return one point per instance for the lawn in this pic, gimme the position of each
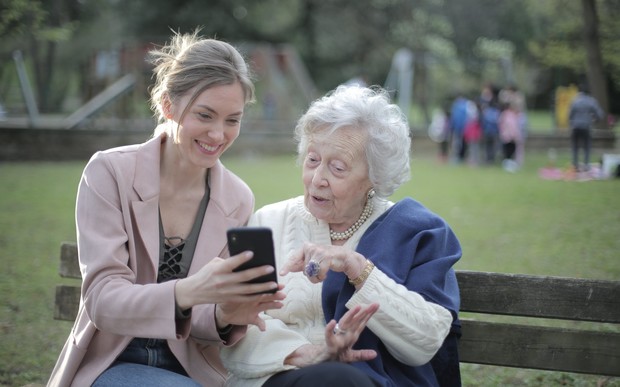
(506, 222)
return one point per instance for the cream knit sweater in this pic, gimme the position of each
(411, 328)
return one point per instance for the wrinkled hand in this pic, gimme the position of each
(217, 283)
(340, 342)
(338, 346)
(328, 257)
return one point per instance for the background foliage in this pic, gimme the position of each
(457, 45)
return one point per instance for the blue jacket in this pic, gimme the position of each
(584, 111)
(417, 249)
(458, 115)
(490, 121)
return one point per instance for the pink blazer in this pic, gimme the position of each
(117, 218)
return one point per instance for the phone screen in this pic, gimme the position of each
(258, 240)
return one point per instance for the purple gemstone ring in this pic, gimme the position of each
(312, 269)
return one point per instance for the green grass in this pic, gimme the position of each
(506, 223)
(36, 203)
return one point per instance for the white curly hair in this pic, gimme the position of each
(366, 109)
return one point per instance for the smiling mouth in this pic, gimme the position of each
(207, 147)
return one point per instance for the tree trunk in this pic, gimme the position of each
(307, 25)
(420, 85)
(594, 66)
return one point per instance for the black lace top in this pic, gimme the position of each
(176, 253)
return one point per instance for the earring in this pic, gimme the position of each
(371, 193)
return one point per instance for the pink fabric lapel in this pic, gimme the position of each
(146, 210)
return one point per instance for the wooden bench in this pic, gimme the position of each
(522, 343)
(67, 301)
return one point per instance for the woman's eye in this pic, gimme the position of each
(311, 160)
(339, 167)
(204, 115)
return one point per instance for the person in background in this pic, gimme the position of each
(583, 112)
(513, 97)
(510, 137)
(473, 134)
(488, 95)
(444, 144)
(372, 297)
(440, 132)
(459, 116)
(490, 130)
(158, 298)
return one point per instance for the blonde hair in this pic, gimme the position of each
(190, 63)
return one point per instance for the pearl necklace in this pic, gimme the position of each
(346, 234)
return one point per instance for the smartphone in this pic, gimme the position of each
(259, 240)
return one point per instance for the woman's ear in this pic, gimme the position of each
(166, 106)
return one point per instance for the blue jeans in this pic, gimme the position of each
(145, 362)
(581, 140)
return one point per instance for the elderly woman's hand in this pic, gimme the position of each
(339, 340)
(316, 260)
(340, 336)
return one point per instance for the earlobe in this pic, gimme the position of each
(166, 107)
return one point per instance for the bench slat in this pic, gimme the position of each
(69, 264)
(67, 302)
(540, 296)
(542, 348)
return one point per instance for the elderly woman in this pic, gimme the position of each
(371, 293)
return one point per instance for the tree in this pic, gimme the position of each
(454, 42)
(594, 69)
(38, 27)
(573, 41)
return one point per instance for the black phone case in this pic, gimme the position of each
(258, 240)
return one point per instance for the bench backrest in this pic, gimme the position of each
(67, 300)
(535, 341)
(528, 340)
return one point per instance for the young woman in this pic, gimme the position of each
(158, 299)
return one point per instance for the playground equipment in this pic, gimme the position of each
(90, 108)
(284, 90)
(400, 78)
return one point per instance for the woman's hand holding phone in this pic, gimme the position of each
(259, 241)
(240, 295)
